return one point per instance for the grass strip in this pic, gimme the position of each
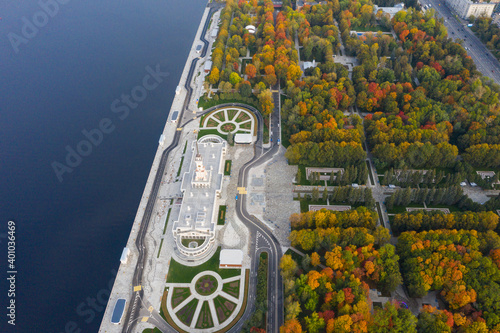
(227, 168)
(243, 306)
(166, 220)
(221, 218)
(159, 250)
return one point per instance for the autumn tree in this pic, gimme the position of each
(213, 78)
(266, 102)
(251, 71)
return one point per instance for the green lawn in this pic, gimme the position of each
(402, 209)
(186, 241)
(179, 295)
(151, 330)
(187, 312)
(221, 218)
(210, 102)
(219, 115)
(166, 220)
(206, 285)
(180, 166)
(232, 288)
(231, 113)
(182, 160)
(227, 168)
(266, 130)
(179, 273)
(242, 117)
(202, 118)
(205, 318)
(374, 29)
(304, 204)
(212, 131)
(223, 308)
(159, 250)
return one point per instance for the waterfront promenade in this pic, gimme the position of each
(152, 291)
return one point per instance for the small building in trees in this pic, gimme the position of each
(208, 66)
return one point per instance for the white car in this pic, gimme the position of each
(355, 185)
(473, 184)
(463, 184)
(392, 186)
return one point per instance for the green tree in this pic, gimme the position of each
(368, 197)
(315, 194)
(381, 235)
(314, 323)
(234, 78)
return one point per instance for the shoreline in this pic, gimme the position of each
(122, 287)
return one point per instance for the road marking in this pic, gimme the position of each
(179, 129)
(138, 288)
(144, 319)
(242, 190)
(150, 309)
(261, 237)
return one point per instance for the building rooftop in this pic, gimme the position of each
(230, 257)
(199, 186)
(389, 10)
(243, 138)
(208, 65)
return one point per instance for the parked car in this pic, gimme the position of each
(392, 186)
(463, 184)
(473, 184)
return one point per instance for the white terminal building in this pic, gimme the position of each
(201, 188)
(466, 8)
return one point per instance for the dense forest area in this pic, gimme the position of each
(428, 118)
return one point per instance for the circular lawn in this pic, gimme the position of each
(206, 285)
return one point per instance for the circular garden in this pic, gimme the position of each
(206, 285)
(228, 127)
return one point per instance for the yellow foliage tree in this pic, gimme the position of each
(315, 259)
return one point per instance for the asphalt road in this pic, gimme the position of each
(262, 239)
(485, 62)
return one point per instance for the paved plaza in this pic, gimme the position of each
(270, 195)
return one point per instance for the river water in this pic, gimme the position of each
(63, 74)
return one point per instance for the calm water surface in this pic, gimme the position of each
(62, 81)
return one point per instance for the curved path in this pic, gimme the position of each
(262, 240)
